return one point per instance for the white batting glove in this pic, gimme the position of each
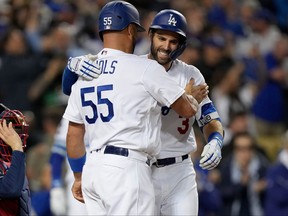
(85, 66)
(58, 201)
(211, 155)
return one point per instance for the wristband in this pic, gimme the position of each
(77, 164)
(217, 136)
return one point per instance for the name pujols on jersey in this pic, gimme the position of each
(107, 67)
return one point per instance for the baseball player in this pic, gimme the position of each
(173, 173)
(14, 189)
(62, 201)
(120, 112)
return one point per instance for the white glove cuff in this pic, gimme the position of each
(73, 64)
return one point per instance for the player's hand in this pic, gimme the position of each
(211, 155)
(77, 191)
(85, 66)
(10, 136)
(198, 92)
(58, 201)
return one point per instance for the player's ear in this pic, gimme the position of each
(132, 30)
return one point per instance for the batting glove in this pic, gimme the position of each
(211, 154)
(58, 201)
(85, 66)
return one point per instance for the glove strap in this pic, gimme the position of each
(77, 164)
(218, 137)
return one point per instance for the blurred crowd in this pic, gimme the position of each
(240, 47)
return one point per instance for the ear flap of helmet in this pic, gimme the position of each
(174, 54)
(19, 124)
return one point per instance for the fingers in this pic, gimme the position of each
(77, 191)
(211, 156)
(10, 136)
(4, 131)
(204, 88)
(192, 81)
(85, 66)
(189, 86)
(199, 92)
(79, 198)
(89, 65)
(92, 57)
(210, 163)
(91, 70)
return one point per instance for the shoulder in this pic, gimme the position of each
(183, 65)
(148, 64)
(190, 70)
(139, 61)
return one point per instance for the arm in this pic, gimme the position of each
(210, 124)
(83, 66)
(194, 96)
(68, 79)
(11, 184)
(186, 106)
(212, 127)
(76, 155)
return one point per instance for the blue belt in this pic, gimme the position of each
(168, 161)
(120, 151)
(116, 150)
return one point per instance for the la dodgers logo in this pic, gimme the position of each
(172, 20)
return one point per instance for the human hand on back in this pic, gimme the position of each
(85, 66)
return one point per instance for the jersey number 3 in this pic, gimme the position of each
(100, 100)
(184, 124)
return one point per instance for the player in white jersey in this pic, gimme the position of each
(62, 201)
(173, 173)
(120, 112)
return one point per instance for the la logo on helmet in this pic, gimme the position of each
(172, 20)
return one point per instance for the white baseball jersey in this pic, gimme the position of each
(175, 185)
(176, 135)
(121, 107)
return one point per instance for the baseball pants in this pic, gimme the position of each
(117, 185)
(175, 189)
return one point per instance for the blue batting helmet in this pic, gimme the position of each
(117, 15)
(170, 20)
(174, 21)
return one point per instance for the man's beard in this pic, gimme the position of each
(154, 53)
